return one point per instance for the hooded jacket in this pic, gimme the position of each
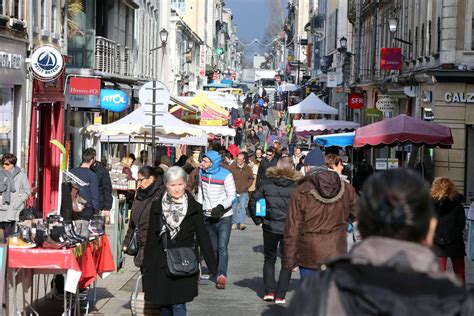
(318, 216)
(384, 276)
(276, 190)
(216, 186)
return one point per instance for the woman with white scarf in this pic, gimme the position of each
(175, 215)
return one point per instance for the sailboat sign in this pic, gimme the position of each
(47, 63)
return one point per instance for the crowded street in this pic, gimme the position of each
(237, 157)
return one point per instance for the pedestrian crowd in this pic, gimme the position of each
(378, 248)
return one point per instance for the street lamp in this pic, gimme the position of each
(163, 38)
(393, 25)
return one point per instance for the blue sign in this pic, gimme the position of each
(113, 100)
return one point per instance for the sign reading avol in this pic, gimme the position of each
(385, 103)
(46, 63)
(113, 100)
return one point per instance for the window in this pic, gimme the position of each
(423, 39)
(44, 14)
(54, 16)
(179, 6)
(2, 7)
(6, 108)
(15, 12)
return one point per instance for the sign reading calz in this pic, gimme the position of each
(459, 97)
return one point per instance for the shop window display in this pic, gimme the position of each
(6, 102)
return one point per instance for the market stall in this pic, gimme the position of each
(309, 126)
(400, 131)
(312, 105)
(81, 265)
(341, 140)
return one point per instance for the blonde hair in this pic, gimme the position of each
(127, 161)
(442, 188)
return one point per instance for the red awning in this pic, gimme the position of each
(403, 129)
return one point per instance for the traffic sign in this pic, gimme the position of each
(162, 96)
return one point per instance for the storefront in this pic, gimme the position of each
(452, 105)
(12, 85)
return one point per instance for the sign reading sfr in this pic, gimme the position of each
(113, 100)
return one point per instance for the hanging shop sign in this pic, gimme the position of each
(355, 101)
(459, 97)
(47, 63)
(332, 79)
(202, 60)
(373, 113)
(84, 86)
(386, 104)
(390, 58)
(113, 100)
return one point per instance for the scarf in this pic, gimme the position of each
(7, 184)
(174, 213)
(143, 194)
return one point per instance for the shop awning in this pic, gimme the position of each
(323, 125)
(341, 139)
(221, 101)
(209, 109)
(403, 129)
(312, 105)
(138, 123)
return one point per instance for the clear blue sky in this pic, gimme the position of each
(251, 18)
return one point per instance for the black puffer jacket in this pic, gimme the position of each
(276, 190)
(105, 186)
(448, 240)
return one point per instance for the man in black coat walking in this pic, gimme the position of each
(105, 185)
(269, 161)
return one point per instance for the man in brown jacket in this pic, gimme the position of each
(243, 178)
(318, 217)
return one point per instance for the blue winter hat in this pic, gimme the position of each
(315, 158)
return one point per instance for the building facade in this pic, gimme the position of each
(434, 75)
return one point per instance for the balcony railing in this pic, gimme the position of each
(111, 57)
(351, 10)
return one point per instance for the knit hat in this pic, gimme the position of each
(315, 158)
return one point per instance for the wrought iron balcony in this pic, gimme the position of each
(351, 11)
(111, 57)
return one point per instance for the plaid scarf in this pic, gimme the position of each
(174, 213)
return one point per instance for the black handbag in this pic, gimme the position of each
(132, 245)
(180, 261)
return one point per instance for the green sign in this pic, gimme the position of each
(219, 51)
(373, 113)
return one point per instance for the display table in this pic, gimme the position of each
(81, 264)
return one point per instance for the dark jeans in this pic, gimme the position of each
(271, 242)
(219, 233)
(173, 310)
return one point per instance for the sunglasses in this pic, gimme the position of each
(140, 180)
(6, 164)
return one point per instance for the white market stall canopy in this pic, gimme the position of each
(323, 125)
(160, 139)
(219, 130)
(137, 123)
(312, 105)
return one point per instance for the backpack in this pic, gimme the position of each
(78, 202)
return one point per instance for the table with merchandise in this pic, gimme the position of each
(80, 250)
